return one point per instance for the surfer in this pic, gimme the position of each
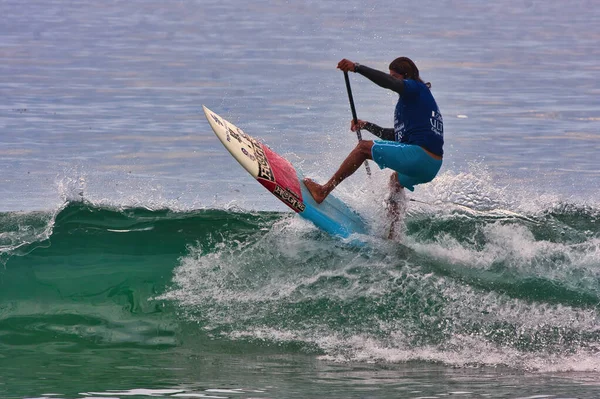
(413, 148)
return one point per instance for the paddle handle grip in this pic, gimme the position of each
(353, 109)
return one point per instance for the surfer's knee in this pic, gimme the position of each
(364, 147)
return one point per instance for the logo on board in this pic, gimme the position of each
(264, 169)
(289, 198)
(217, 120)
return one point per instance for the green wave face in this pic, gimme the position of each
(87, 276)
(462, 287)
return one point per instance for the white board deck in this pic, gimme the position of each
(281, 179)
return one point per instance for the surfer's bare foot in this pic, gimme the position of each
(317, 191)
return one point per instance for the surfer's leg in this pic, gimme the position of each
(395, 204)
(353, 161)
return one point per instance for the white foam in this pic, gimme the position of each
(248, 286)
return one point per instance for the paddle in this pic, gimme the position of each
(358, 134)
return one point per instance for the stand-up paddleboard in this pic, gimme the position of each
(278, 176)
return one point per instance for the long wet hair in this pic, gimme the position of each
(408, 68)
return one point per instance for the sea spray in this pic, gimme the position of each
(464, 287)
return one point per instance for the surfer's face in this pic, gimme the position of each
(396, 75)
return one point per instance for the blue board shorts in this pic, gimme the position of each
(413, 164)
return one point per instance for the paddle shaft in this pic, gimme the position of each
(353, 109)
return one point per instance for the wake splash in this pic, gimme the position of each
(479, 278)
(482, 282)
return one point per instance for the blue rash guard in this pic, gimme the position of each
(417, 117)
(418, 129)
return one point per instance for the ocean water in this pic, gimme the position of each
(138, 259)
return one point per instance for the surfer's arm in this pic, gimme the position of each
(380, 78)
(381, 132)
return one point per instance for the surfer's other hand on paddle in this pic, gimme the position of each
(357, 125)
(347, 65)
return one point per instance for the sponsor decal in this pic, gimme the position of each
(289, 198)
(437, 123)
(241, 133)
(399, 128)
(264, 169)
(234, 134)
(216, 119)
(246, 153)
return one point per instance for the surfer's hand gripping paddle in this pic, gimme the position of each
(353, 109)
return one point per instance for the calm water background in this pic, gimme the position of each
(113, 91)
(102, 100)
